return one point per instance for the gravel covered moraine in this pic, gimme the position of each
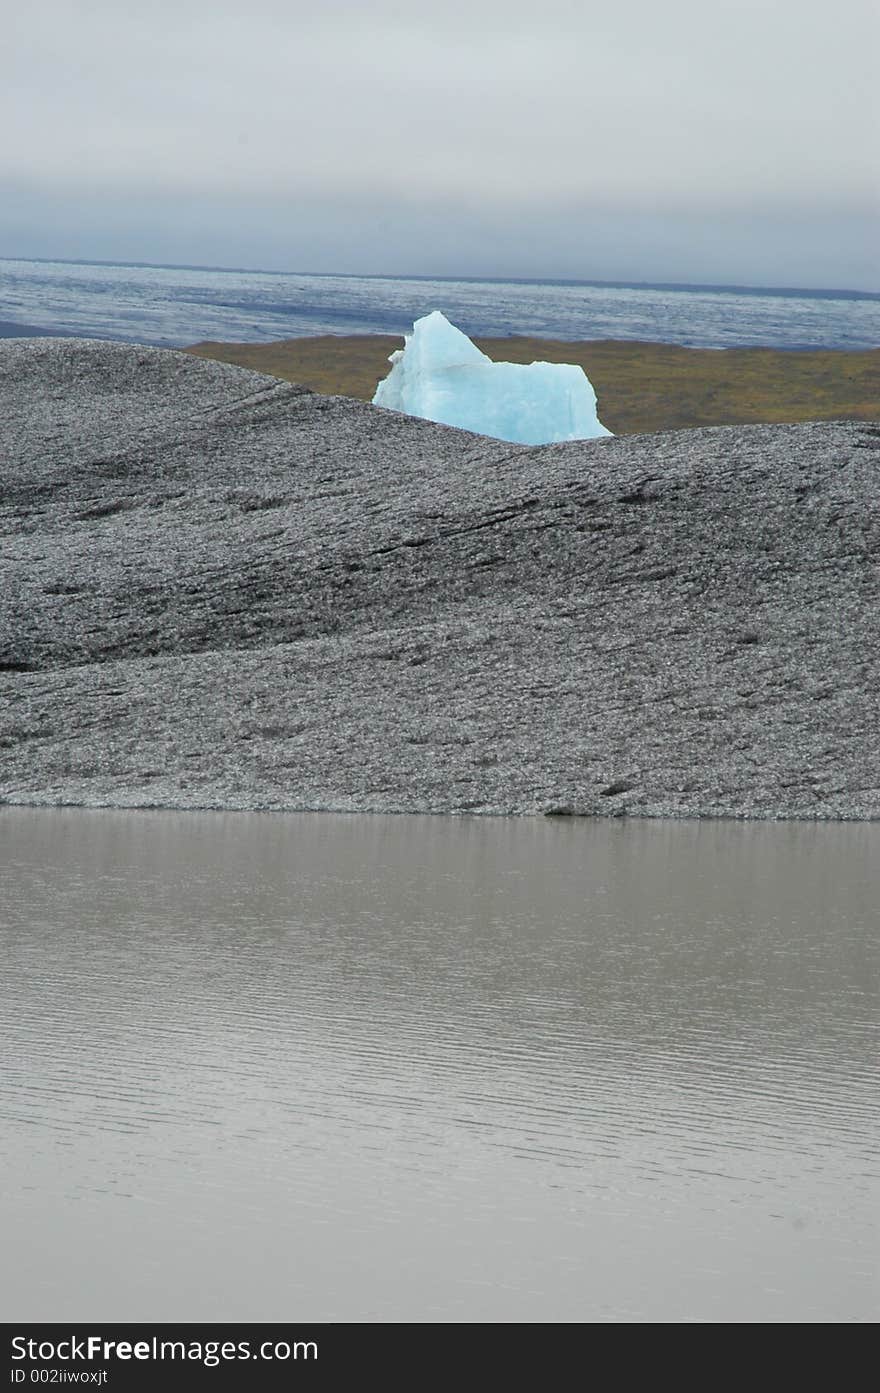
(219, 590)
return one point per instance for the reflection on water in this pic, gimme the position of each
(368, 1068)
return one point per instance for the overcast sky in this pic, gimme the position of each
(730, 141)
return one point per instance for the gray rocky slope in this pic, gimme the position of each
(221, 590)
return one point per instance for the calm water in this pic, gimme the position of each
(314, 1067)
(170, 305)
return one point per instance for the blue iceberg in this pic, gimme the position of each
(442, 376)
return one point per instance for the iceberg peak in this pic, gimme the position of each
(442, 376)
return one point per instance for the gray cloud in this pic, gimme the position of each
(638, 135)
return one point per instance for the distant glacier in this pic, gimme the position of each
(174, 306)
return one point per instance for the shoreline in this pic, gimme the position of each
(14, 805)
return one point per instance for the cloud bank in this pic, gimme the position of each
(725, 142)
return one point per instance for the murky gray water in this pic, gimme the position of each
(260, 1067)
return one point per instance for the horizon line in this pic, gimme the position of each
(714, 286)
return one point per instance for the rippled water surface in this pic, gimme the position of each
(283, 1067)
(177, 305)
